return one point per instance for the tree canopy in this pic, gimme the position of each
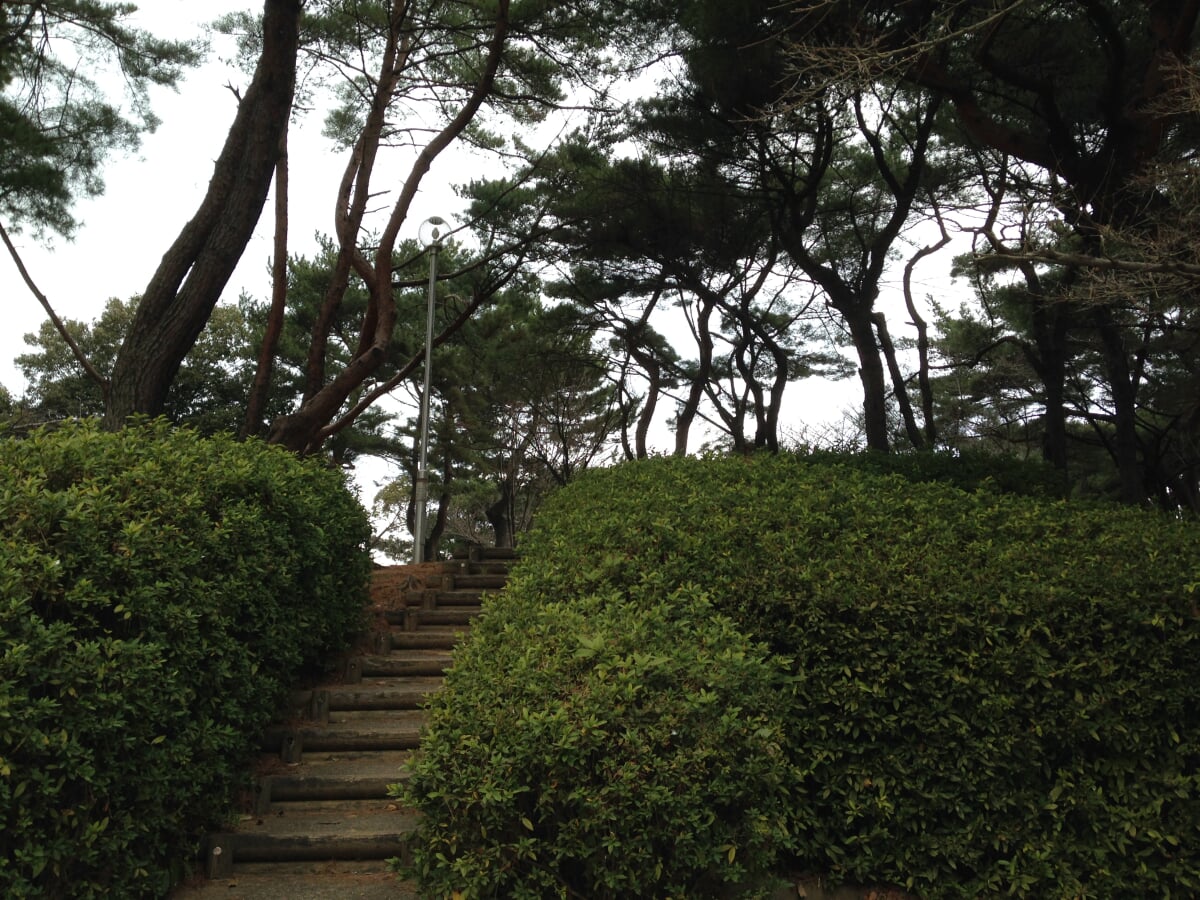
(58, 121)
(743, 199)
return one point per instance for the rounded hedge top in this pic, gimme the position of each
(160, 593)
(989, 693)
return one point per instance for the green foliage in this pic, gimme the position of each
(969, 470)
(619, 745)
(208, 393)
(520, 397)
(640, 230)
(530, 403)
(57, 124)
(161, 592)
(992, 694)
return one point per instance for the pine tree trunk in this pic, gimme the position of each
(1124, 396)
(870, 372)
(500, 516)
(180, 297)
(260, 390)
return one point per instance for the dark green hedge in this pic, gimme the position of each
(159, 593)
(969, 470)
(622, 745)
(992, 694)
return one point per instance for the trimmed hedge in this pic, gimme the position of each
(160, 594)
(970, 470)
(991, 694)
(622, 745)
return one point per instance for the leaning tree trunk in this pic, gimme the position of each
(899, 388)
(180, 297)
(654, 387)
(308, 427)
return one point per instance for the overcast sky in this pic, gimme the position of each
(150, 196)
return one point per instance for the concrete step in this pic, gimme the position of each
(351, 833)
(478, 582)
(391, 693)
(488, 567)
(429, 620)
(309, 880)
(379, 714)
(404, 664)
(455, 597)
(343, 795)
(397, 730)
(444, 616)
(356, 806)
(322, 777)
(325, 779)
(431, 638)
(432, 618)
(332, 867)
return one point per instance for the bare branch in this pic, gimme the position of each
(76, 350)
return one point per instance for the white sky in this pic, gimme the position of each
(149, 198)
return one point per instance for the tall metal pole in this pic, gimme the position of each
(421, 486)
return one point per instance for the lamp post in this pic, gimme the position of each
(430, 235)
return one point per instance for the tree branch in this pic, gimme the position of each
(61, 328)
(1185, 270)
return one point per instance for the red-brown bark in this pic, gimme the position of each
(185, 288)
(302, 430)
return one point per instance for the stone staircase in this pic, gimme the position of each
(323, 825)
